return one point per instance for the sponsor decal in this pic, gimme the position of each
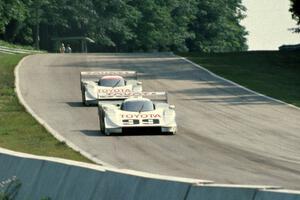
(126, 92)
(118, 93)
(114, 90)
(140, 116)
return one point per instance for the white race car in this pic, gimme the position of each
(105, 83)
(142, 112)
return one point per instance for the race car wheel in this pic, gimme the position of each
(107, 133)
(102, 126)
(83, 96)
(170, 133)
(102, 123)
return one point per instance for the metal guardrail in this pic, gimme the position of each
(9, 50)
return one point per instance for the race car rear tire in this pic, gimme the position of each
(107, 133)
(83, 96)
(102, 123)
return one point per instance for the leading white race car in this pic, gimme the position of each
(104, 83)
(142, 111)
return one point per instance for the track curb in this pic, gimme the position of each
(43, 123)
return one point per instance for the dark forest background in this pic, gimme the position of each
(129, 25)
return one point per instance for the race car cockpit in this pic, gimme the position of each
(111, 81)
(137, 105)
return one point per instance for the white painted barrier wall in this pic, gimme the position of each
(44, 177)
(278, 195)
(222, 192)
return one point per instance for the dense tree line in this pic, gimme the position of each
(295, 9)
(128, 25)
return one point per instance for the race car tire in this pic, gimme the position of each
(170, 133)
(106, 133)
(102, 123)
(83, 96)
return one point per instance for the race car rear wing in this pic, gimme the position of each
(153, 96)
(156, 96)
(96, 75)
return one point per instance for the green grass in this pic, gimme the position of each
(18, 130)
(273, 73)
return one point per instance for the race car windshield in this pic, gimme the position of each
(112, 82)
(137, 106)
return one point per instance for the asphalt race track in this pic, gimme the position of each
(226, 133)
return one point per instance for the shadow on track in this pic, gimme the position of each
(134, 132)
(76, 104)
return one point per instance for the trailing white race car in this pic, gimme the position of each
(142, 111)
(105, 84)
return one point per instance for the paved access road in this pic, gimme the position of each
(225, 133)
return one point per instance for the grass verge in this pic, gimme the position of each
(273, 73)
(19, 131)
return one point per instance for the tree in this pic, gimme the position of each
(13, 14)
(217, 26)
(163, 24)
(183, 13)
(128, 25)
(295, 9)
(116, 23)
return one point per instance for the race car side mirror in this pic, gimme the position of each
(139, 83)
(172, 107)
